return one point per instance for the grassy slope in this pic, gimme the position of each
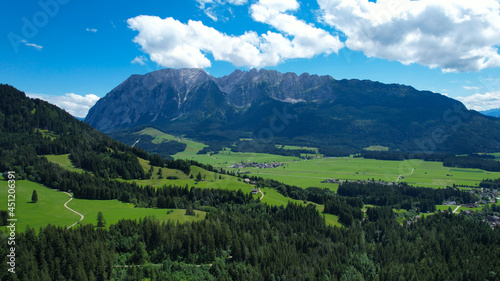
(228, 158)
(159, 135)
(50, 208)
(273, 198)
(64, 161)
(192, 146)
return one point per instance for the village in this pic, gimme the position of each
(243, 165)
(338, 181)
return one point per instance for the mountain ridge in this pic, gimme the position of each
(352, 113)
(492, 112)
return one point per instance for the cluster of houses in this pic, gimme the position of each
(256, 165)
(488, 195)
(338, 181)
(412, 220)
(493, 221)
(247, 180)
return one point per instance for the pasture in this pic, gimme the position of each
(307, 173)
(50, 209)
(64, 161)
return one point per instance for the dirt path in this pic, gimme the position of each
(399, 177)
(262, 194)
(456, 209)
(66, 206)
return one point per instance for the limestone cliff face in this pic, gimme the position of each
(357, 113)
(161, 96)
(169, 94)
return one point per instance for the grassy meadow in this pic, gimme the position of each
(50, 209)
(64, 161)
(307, 173)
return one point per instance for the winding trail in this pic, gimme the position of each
(399, 177)
(66, 206)
(262, 194)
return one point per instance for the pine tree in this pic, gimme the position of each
(190, 211)
(101, 222)
(34, 197)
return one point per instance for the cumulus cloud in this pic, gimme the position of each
(139, 60)
(171, 43)
(481, 102)
(307, 41)
(93, 30)
(74, 104)
(38, 47)
(456, 36)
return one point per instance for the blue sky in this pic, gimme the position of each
(72, 52)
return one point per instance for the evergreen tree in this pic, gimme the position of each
(101, 222)
(190, 211)
(34, 197)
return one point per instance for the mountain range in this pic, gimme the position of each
(492, 112)
(286, 108)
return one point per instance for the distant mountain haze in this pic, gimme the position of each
(290, 108)
(492, 112)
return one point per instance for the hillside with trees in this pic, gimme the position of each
(240, 238)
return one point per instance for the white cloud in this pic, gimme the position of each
(456, 36)
(214, 8)
(203, 3)
(308, 40)
(470, 88)
(74, 104)
(171, 43)
(139, 60)
(38, 47)
(481, 102)
(93, 30)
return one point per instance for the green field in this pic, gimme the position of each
(48, 134)
(210, 180)
(50, 208)
(114, 210)
(192, 147)
(376, 148)
(157, 134)
(274, 198)
(227, 158)
(64, 161)
(307, 173)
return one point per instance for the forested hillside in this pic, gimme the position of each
(241, 238)
(32, 127)
(257, 242)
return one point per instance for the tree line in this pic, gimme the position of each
(254, 241)
(404, 196)
(473, 161)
